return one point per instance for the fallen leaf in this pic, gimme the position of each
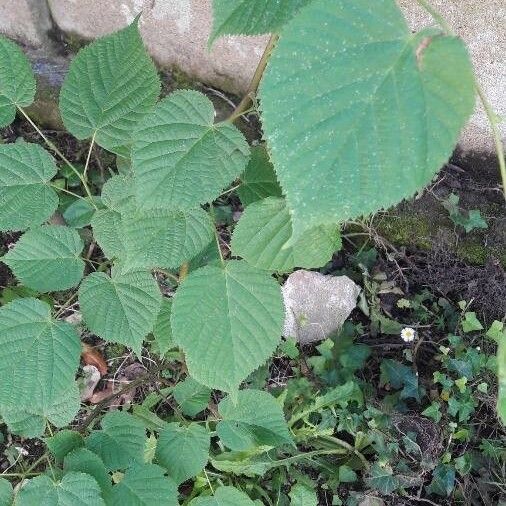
(91, 356)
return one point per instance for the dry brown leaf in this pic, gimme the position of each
(91, 356)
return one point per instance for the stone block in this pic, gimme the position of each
(175, 33)
(25, 21)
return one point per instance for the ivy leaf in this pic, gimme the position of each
(162, 330)
(471, 323)
(259, 179)
(85, 461)
(265, 228)
(64, 442)
(77, 489)
(183, 450)
(145, 484)
(501, 378)
(302, 495)
(39, 358)
(26, 197)
(224, 496)
(381, 478)
(164, 238)
(256, 419)
(243, 17)
(352, 98)
(17, 81)
(400, 376)
(120, 442)
(111, 85)
(181, 158)
(443, 480)
(191, 396)
(228, 320)
(47, 258)
(122, 308)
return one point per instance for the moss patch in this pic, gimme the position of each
(406, 230)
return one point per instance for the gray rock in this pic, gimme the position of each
(317, 305)
(25, 21)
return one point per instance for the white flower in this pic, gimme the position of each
(408, 334)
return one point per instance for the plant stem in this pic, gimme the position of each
(59, 153)
(492, 118)
(86, 165)
(436, 16)
(56, 187)
(216, 234)
(257, 77)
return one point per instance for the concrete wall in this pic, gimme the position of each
(176, 33)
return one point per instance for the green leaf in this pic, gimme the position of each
(47, 258)
(6, 493)
(191, 396)
(400, 376)
(352, 98)
(120, 442)
(80, 213)
(263, 238)
(224, 496)
(111, 85)
(118, 197)
(443, 480)
(302, 495)
(162, 331)
(259, 179)
(256, 419)
(471, 323)
(347, 474)
(243, 17)
(381, 478)
(183, 450)
(181, 158)
(253, 463)
(106, 226)
(433, 412)
(17, 81)
(64, 442)
(122, 308)
(164, 238)
(145, 485)
(39, 358)
(85, 461)
(26, 197)
(228, 320)
(76, 489)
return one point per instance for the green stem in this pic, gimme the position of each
(436, 16)
(86, 165)
(60, 154)
(56, 187)
(216, 235)
(257, 77)
(494, 123)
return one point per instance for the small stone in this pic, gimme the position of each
(317, 305)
